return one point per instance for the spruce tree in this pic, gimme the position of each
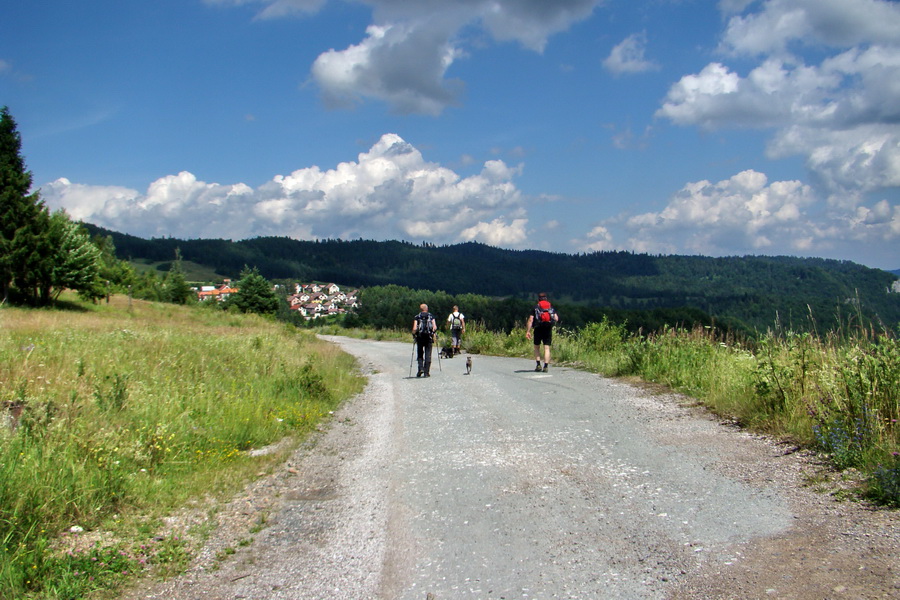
(76, 265)
(24, 220)
(254, 295)
(177, 290)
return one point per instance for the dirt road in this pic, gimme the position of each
(508, 483)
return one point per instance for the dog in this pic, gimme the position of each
(468, 365)
(446, 352)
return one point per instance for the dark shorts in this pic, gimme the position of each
(543, 335)
(455, 334)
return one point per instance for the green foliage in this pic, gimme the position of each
(743, 294)
(25, 247)
(40, 254)
(129, 411)
(175, 287)
(255, 294)
(76, 261)
(16, 206)
(884, 485)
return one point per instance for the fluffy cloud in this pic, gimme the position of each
(841, 114)
(598, 239)
(628, 56)
(835, 23)
(410, 46)
(747, 214)
(389, 192)
(401, 64)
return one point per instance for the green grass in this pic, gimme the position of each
(123, 413)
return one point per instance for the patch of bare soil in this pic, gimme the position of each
(839, 547)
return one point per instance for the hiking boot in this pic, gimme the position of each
(419, 374)
(545, 368)
(427, 374)
(537, 369)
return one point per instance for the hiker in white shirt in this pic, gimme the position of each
(457, 323)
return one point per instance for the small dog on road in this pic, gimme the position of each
(468, 365)
(446, 352)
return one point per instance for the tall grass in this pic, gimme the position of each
(114, 415)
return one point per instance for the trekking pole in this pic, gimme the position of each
(440, 369)
(411, 358)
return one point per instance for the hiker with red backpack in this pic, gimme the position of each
(541, 320)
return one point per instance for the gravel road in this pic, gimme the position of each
(508, 483)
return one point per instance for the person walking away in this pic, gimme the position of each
(423, 330)
(541, 321)
(457, 323)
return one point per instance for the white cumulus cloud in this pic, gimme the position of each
(628, 56)
(410, 46)
(388, 192)
(747, 214)
(826, 82)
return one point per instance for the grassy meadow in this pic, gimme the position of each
(116, 415)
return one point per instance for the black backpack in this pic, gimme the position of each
(424, 323)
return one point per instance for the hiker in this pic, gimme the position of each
(457, 323)
(542, 320)
(423, 329)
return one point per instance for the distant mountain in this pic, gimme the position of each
(754, 291)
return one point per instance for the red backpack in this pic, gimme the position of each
(543, 314)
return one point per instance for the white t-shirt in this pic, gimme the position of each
(458, 315)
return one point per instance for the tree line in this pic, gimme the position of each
(748, 292)
(394, 306)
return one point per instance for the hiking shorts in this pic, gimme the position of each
(455, 334)
(543, 335)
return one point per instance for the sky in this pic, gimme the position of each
(716, 128)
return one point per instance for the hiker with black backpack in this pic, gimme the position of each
(423, 329)
(541, 320)
(457, 323)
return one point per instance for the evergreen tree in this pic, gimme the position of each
(76, 264)
(254, 295)
(24, 220)
(118, 274)
(177, 290)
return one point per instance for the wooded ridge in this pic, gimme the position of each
(753, 292)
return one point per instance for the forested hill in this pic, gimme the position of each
(753, 290)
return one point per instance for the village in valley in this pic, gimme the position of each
(311, 300)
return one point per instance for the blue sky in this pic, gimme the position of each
(663, 126)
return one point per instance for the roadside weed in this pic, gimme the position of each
(113, 415)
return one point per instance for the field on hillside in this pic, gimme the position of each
(115, 415)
